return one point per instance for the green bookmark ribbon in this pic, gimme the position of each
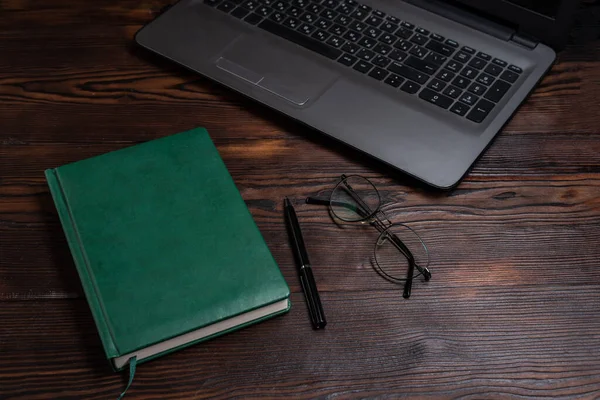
(132, 364)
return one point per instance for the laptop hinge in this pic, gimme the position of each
(524, 40)
(463, 17)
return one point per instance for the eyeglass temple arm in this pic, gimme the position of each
(325, 202)
(408, 254)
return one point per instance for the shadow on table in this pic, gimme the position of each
(89, 340)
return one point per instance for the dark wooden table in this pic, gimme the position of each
(512, 311)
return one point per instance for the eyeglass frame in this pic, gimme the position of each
(378, 219)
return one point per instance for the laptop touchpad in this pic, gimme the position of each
(266, 64)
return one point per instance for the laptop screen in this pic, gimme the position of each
(544, 7)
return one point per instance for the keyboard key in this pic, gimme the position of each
(300, 3)
(454, 66)
(264, 11)
(468, 50)
(227, 6)
(484, 56)
(408, 73)
(389, 27)
(280, 5)
(344, 9)
(440, 48)
(422, 65)
(404, 33)
(382, 49)
(335, 41)
(321, 35)
(357, 26)
(365, 54)
(410, 87)
(387, 38)
(379, 13)
(477, 63)
(372, 32)
(292, 23)
(436, 85)
(419, 39)
(337, 30)
(307, 29)
(365, 8)
(359, 14)
(352, 36)
(499, 62)
(445, 75)
(240, 12)
(498, 89)
(493, 70)
(403, 45)
(407, 25)
(253, 19)
(509, 76)
(394, 80)
(330, 3)
(435, 58)
(324, 23)
(477, 89)
(314, 8)
(480, 111)
(374, 21)
(437, 37)
(211, 3)
(462, 57)
(378, 73)
(398, 55)
(347, 60)
(435, 98)
(451, 43)
(250, 5)
(381, 61)
(393, 20)
(469, 72)
(294, 12)
(461, 82)
(328, 14)
(452, 91)
(514, 68)
(422, 31)
(343, 20)
(469, 99)
(459, 108)
(418, 51)
(300, 39)
(485, 79)
(363, 66)
(309, 18)
(367, 42)
(278, 16)
(350, 48)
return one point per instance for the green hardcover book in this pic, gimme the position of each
(166, 249)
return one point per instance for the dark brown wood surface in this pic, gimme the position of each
(512, 311)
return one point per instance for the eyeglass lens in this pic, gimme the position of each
(396, 247)
(354, 199)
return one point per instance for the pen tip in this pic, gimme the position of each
(286, 202)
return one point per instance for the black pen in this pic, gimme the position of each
(313, 301)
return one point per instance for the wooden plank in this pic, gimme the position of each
(376, 343)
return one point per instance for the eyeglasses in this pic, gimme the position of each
(355, 199)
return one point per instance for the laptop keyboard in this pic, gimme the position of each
(460, 79)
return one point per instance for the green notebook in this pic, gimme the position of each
(166, 249)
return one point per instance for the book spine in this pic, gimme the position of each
(81, 263)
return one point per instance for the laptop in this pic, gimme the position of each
(423, 86)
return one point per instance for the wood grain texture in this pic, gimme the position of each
(513, 308)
